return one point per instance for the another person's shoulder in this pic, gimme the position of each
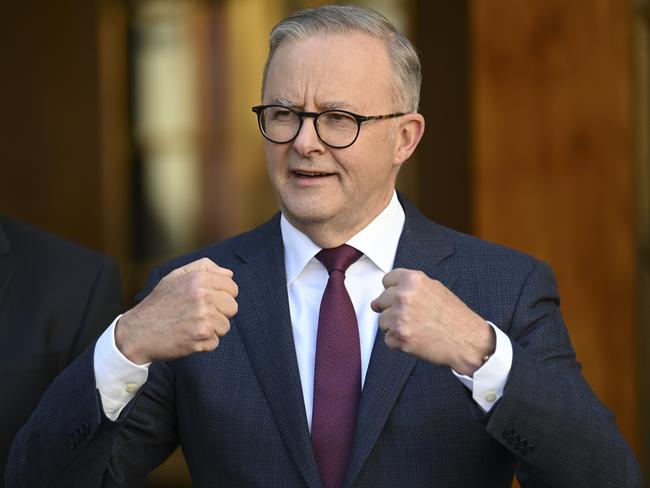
(33, 247)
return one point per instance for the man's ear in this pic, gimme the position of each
(409, 133)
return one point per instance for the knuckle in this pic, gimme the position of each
(172, 274)
(211, 345)
(194, 285)
(203, 331)
(415, 278)
(390, 341)
(202, 264)
(206, 345)
(225, 328)
(403, 334)
(222, 326)
(396, 331)
(202, 313)
(436, 285)
(384, 280)
(226, 305)
(403, 298)
(231, 307)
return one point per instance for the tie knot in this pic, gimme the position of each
(338, 258)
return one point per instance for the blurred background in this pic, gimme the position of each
(126, 126)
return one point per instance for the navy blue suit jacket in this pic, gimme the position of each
(55, 300)
(238, 411)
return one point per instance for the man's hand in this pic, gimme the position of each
(420, 316)
(187, 312)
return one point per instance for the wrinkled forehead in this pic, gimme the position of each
(321, 68)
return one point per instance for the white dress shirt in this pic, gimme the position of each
(118, 379)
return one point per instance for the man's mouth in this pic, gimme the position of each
(310, 174)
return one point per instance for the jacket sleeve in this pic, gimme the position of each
(548, 415)
(103, 304)
(68, 441)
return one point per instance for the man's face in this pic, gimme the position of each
(321, 189)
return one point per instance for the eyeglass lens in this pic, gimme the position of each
(334, 128)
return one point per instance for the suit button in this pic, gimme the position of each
(70, 442)
(85, 428)
(490, 396)
(508, 433)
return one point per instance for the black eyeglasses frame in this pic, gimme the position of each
(258, 109)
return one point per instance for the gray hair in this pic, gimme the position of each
(335, 19)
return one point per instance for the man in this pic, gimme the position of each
(349, 341)
(55, 299)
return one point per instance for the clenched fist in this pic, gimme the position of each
(187, 312)
(420, 316)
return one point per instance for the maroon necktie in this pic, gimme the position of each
(337, 373)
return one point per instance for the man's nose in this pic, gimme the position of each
(307, 140)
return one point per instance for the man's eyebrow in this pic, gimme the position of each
(336, 104)
(329, 105)
(283, 101)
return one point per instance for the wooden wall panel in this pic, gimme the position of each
(553, 167)
(50, 151)
(439, 174)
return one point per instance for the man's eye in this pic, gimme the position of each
(282, 115)
(339, 119)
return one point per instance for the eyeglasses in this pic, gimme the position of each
(335, 128)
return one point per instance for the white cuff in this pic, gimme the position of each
(489, 380)
(116, 378)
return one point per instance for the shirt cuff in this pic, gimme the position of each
(116, 378)
(489, 380)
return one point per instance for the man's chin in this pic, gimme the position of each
(306, 217)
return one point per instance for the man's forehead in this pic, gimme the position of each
(332, 70)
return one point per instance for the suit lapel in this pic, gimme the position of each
(264, 324)
(422, 246)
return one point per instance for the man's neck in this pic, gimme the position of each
(335, 232)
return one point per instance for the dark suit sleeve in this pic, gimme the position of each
(68, 441)
(104, 303)
(58, 299)
(548, 415)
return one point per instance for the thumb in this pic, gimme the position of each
(379, 304)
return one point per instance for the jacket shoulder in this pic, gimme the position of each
(464, 249)
(36, 248)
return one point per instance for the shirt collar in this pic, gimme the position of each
(378, 241)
